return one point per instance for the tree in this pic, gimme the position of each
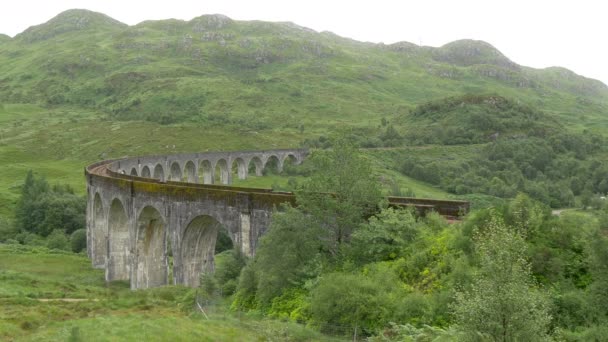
(338, 197)
(598, 260)
(340, 194)
(287, 255)
(526, 215)
(42, 209)
(385, 235)
(503, 302)
(25, 213)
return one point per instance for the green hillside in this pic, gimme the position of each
(83, 87)
(213, 69)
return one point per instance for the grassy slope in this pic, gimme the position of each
(58, 143)
(235, 85)
(267, 75)
(113, 312)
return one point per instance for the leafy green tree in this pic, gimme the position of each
(526, 215)
(336, 199)
(586, 198)
(503, 303)
(385, 235)
(287, 255)
(391, 137)
(30, 191)
(340, 194)
(42, 209)
(598, 261)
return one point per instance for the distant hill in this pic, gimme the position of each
(215, 69)
(68, 21)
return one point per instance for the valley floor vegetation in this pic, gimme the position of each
(338, 265)
(509, 273)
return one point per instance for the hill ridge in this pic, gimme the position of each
(462, 52)
(215, 68)
(67, 21)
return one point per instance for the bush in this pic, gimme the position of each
(78, 240)
(208, 285)
(245, 297)
(353, 300)
(30, 239)
(7, 230)
(58, 240)
(291, 305)
(228, 266)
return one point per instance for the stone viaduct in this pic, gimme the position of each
(143, 210)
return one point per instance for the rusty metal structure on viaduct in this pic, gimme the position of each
(140, 210)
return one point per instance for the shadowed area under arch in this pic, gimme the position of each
(133, 172)
(159, 173)
(175, 172)
(198, 248)
(273, 165)
(145, 172)
(255, 166)
(150, 257)
(118, 247)
(190, 172)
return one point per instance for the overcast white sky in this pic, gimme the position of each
(536, 33)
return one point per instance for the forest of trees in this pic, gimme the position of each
(553, 171)
(521, 149)
(510, 273)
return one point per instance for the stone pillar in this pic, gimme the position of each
(242, 170)
(245, 229)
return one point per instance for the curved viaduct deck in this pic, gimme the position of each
(142, 210)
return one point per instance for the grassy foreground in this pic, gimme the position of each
(48, 295)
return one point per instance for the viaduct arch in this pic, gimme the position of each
(142, 210)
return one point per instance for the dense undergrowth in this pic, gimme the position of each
(514, 263)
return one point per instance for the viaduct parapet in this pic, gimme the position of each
(144, 213)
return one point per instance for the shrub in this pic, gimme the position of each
(352, 300)
(7, 230)
(58, 240)
(78, 240)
